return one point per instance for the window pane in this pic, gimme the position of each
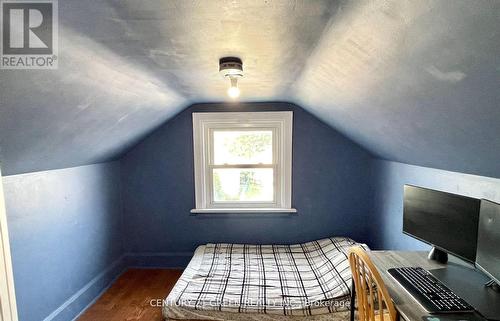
(243, 184)
(243, 147)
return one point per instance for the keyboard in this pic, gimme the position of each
(432, 295)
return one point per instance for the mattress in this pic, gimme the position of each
(309, 281)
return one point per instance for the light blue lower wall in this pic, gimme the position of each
(66, 226)
(65, 233)
(390, 177)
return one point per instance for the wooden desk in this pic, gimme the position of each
(469, 284)
(407, 307)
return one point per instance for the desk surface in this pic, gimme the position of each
(465, 281)
(407, 307)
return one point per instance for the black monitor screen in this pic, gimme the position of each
(488, 242)
(446, 221)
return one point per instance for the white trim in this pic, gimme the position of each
(8, 309)
(280, 123)
(81, 293)
(242, 210)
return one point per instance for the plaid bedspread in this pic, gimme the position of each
(303, 279)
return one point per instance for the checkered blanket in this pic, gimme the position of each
(303, 279)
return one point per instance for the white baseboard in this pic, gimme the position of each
(79, 302)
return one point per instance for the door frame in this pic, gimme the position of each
(8, 307)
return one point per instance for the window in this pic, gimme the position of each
(243, 162)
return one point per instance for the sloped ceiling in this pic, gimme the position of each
(411, 81)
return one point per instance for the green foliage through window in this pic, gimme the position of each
(249, 145)
(249, 187)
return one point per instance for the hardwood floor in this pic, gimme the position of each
(128, 299)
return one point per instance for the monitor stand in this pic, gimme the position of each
(471, 285)
(493, 285)
(438, 255)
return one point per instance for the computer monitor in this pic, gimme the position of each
(488, 242)
(448, 222)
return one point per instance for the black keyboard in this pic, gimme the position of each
(433, 295)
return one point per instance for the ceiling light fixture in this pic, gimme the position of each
(232, 68)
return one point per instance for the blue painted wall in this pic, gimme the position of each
(330, 190)
(74, 230)
(65, 234)
(388, 197)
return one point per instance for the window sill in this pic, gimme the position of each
(242, 210)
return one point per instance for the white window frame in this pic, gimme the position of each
(280, 123)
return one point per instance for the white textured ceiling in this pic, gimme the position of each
(412, 81)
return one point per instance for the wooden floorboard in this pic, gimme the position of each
(128, 299)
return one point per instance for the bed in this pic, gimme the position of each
(302, 282)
